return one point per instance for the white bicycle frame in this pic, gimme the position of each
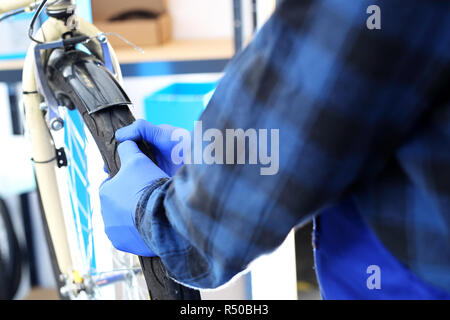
(41, 140)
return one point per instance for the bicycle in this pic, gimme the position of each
(73, 97)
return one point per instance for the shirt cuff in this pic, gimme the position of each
(142, 203)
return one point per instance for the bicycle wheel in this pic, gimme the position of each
(102, 124)
(10, 255)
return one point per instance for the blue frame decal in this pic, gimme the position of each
(75, 143)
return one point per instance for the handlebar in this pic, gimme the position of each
(10, 5)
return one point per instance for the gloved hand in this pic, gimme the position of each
(119, 197)
(160, 139)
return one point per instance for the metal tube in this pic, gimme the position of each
(237, 19)
(107, 279)
(10, 5)
(255, 15)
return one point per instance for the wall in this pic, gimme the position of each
(202, 19)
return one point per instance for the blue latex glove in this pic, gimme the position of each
(160, 139)
(119, 197)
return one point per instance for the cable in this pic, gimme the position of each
(33, 21)
(30, 8)
(44, 162)
(123, 39)
(54, 146)
(40, 25)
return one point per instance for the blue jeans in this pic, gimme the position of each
(351, 263)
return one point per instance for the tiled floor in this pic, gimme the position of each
(42, 294)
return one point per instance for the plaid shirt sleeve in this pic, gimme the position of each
(343, 98)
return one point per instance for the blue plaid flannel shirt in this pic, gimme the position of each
(362, 114)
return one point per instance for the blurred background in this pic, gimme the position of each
(187, 45)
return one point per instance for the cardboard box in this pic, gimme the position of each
(105, 9)
(142, 32)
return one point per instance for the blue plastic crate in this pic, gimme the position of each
(179, 104)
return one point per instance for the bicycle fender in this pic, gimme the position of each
(77, 77)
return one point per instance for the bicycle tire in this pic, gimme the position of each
(11, 269)
(103, 125)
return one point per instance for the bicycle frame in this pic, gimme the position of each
(41, 140)
(10, 5)
(48, 96)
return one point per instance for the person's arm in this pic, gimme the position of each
(343, 97)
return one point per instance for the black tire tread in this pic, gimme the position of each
(103, 125)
